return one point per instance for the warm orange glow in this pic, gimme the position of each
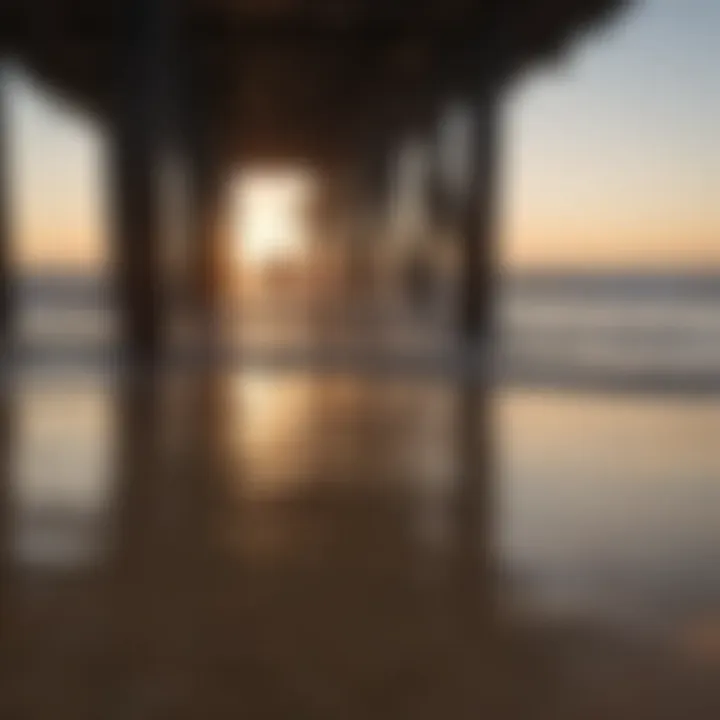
(271, 215)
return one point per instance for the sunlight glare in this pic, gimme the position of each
(271, 215)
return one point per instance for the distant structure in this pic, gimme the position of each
(335, 84)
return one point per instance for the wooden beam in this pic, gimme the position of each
(5, 207)
(203, 154)
(143, 114)
(478, 271)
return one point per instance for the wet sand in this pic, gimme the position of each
(283, 545)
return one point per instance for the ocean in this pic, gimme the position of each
(617, 330)
(607, 490)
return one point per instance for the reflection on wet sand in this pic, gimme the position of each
(284, 546)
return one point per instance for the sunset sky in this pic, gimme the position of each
(611, 154)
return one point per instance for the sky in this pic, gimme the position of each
(56, 170)
(612, 155)
(609, 155)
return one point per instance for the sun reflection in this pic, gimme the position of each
(270, 417)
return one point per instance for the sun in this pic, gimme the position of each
(270, 215)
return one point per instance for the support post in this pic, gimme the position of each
(437, 190)
(367, 207)
(477, 289)
(6, 391)
(143, 113)
(5, 230)
(201, 148)
(205, 238)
